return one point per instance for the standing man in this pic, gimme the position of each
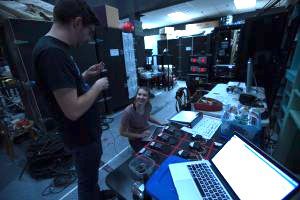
(71, 101)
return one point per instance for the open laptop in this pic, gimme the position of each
(238, 171)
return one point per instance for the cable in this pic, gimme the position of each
(254, 77)
(267, 4)
(104, 128)
(18, 104)
(108, 119)
(271, 5)
(114, 142)
(60, 182)
(104, 121)
(37, 115)
(101, 75)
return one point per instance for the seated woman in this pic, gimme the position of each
(134, 123)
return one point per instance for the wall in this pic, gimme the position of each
(151, 43)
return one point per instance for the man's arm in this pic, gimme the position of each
(74, 106)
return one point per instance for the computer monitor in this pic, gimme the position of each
(251, 173)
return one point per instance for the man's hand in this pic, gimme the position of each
(94, 71)
(102, 83)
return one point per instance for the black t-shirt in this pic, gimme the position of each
(56, 69)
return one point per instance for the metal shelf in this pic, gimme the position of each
(291, 75)
(284, 108)
(295, 114)
(289, 125)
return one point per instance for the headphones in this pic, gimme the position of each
(250, 100)
(208, 104)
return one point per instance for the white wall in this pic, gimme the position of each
(151, 43)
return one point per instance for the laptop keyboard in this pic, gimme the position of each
(208, 185)
(206, 127)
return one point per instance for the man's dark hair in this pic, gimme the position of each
(66, 10)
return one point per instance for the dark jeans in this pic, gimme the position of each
(87, 161)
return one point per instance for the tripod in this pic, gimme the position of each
(105, 121)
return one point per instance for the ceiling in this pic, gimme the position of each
(155, 11)
(196, 10)
(130, 7)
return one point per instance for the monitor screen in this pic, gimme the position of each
(249, 174)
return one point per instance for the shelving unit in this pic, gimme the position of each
(288, 118)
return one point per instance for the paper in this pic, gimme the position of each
(114, 52)
(185, 116)
(130, 64)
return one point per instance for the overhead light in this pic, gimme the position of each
(149, 25)
(244, 4)
(179, 16)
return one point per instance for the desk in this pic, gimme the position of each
(149, 75)
(167, 75)
(225, 71)
(120, 180)
(219, 92)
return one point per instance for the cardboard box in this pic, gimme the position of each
(108, 16)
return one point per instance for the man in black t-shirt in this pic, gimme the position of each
(70, 99)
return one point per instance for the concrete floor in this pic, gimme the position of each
(115, 152)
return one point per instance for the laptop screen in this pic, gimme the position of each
(249, 174)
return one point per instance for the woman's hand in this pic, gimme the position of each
(145, 134)
(155, 121)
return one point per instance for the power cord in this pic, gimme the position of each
(114, 142)
(60, 182)
(270, 141)
(108, 120)
(105, 121)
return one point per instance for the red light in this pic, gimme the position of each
(203, 60)
(128, 27)
(194, 69)
(202, 69)
(194, 60)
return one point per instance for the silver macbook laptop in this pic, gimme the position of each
(238, 171)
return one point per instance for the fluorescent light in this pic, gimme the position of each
(179, 16)
(149, 25)
(244, 4)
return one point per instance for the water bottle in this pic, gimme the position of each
(249, 75)
(138, 190)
